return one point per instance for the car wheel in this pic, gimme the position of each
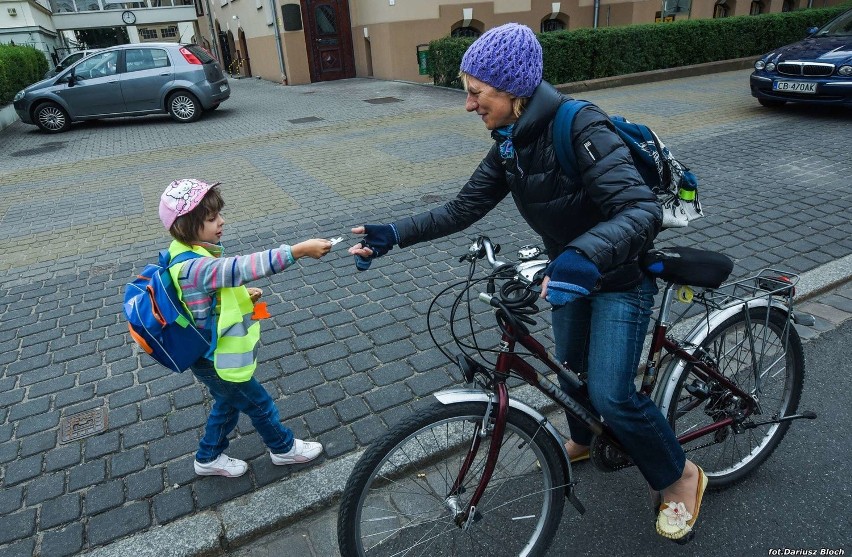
(184, 107)
(51, 118)
(771, 104)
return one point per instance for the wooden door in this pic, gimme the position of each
(328, 34)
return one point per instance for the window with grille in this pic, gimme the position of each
(148, 34)
(756, 8)
(721, 9)
(169, 32)
(471, 32)
(549, 25)
(788, 6)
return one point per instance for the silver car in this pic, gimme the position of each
(182, 80)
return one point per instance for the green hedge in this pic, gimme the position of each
(19, 66)
(593, 53)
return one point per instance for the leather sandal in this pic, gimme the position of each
(674, 521)
(580, 457)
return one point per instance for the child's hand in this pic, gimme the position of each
(315, 248)
(254, 293)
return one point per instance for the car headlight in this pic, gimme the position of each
(770, 67)
(18, 97)
(845, 71)
(759, 65)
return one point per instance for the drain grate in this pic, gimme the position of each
(104, 269)
(305, 120)
(383, 100)
(49, 147)
(82, 424)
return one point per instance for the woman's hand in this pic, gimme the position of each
(314, 248)
(254, 293)
(359, 248)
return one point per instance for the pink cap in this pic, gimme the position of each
(181, 197)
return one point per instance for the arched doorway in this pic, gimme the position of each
(328, 34)
(224, 52)
(246, 68)
(234, 54)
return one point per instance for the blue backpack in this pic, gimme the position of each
(158, 320)
(675, 186)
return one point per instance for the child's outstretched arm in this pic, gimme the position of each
(207, 274)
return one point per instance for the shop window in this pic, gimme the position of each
(554, 24)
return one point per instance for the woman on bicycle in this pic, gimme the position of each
(595, 231)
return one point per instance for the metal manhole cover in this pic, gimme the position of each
(383, 100)
(82, 424)
(305, 120)
(431, 198)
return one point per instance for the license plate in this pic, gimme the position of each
(223, 88)
(795, 86)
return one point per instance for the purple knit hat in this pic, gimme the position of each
(507, 58)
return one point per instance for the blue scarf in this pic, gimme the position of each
(504, 136)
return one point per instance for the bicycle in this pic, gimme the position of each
(478, 469)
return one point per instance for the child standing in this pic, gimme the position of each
(211, 287)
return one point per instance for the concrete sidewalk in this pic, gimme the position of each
(345, 355)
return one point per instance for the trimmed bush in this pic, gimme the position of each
(19, 66)
(604, 52)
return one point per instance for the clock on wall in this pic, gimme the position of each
(128, 17)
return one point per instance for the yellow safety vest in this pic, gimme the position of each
(237, 335)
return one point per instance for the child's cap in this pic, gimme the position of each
(181, 197)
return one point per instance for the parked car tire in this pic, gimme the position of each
(51, 118)
(769, 103)
(184, 107)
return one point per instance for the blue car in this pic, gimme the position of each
(817, 69)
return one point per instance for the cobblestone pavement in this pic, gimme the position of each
(344, 355)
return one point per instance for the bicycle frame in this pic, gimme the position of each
(509, 362)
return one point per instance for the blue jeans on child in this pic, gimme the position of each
(602, 335)
(229, 400)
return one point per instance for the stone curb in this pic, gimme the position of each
(657, 75)
(8, 116)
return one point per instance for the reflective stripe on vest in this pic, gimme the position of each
(237, 335)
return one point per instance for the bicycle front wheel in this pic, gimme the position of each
(398, 500)
(763, 355)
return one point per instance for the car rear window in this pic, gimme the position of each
(200, 53)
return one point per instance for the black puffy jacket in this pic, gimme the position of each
(611, 216)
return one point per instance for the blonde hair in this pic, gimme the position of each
(518, 103)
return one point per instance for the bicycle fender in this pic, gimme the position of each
(455, 396)
(664, 390)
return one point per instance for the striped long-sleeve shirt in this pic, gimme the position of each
(200, 278)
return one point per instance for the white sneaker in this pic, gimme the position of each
(222, 466)
(301, 452)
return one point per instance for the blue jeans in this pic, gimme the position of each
(229, 400)
(602, 335)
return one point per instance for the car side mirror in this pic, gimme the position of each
(59, 68)
(812, 30)
(72, 78)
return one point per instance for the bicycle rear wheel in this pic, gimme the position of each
(743, 350)
(397, 500)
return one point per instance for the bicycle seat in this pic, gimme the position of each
(690, 266)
